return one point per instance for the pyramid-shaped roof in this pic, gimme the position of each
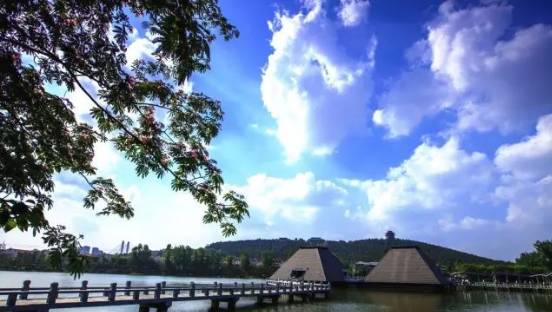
(311, 264)
(406, 265)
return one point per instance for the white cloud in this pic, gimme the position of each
(82, 104)
(106, 158)
(352, 12)
(531, 158)
(435, 178)
(297, 199)
(316, 93)
(447, 189)
(527, 177)
(161, 217)
(447, 224)
(488, 78)
(440, 188)
(529, 203)
(139, 48)
(460, 39)
(407, 103)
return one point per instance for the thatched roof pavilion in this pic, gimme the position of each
(313, 264)
(406, 265)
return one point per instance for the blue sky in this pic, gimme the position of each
(344, 119)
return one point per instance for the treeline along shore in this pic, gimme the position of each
(260, 258)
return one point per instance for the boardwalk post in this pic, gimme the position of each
(215, 304)
(232, 305)
(219, 291)
(163, 286)
(192, 290)
(157, 293)
(252, 288)
(278, 288)
(83, 294)
(176, 292)
(52, 294)
(262, 289)
(243, 289)
(12, 298)
(25, 288)
(136, 295)
(128, 285)
(112, 292)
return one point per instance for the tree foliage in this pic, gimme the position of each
(140, 107)
(544, 249)
(347, 251)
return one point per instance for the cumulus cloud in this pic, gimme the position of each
(527, 176)
(140, 48)
(415, 95)
(490, 79)
(440, 188)
(297, 199)
(531, 158)
(436, 179)
(467, 223)
(314, 90)
(352, 12)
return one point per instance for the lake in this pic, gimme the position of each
(341, 300)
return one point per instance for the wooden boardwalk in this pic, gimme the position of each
(161, 296)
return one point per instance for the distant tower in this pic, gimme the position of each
(3, 246)
(389, 238)
(127, 247)
(122, 247)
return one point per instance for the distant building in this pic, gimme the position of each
(96, 252)
(84, 250)
(255, 262)
(12, 252)
(390, 235)
(2, 246)
(316, 241)
(236, 261)
(127, 247)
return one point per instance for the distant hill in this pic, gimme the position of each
(347, 252)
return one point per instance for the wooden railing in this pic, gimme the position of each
(64, 297)
(510, 286)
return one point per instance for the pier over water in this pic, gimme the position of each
(160, 297)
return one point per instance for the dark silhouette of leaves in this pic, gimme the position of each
(70, 42)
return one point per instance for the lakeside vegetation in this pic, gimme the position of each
(178, 261)
(260, 258)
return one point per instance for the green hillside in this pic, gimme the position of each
(346, 251)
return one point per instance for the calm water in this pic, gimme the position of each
(342, 300)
